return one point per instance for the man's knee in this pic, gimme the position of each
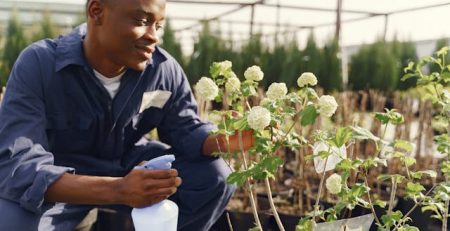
(15, 217)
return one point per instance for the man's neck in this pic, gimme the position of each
(97, 59)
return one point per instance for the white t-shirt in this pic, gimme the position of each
(111, 84)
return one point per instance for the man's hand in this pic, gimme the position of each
(143, 187)
(219, 143)
(140, 188)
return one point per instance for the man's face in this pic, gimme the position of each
(128, 31)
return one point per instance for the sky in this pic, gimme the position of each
(425, 24)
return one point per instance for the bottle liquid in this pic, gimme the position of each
(162, 216)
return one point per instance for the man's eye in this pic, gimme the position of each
(142, 22)
(159, 26)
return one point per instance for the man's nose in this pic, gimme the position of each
(151, 34)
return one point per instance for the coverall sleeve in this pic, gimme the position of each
(181, 127)
(26, 167)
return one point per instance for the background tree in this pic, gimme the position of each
(330, 75)
(171, 44)
(374, 67)
(46, 29)
(405, 52)
(14, 44)
(207, 49)
(312, 57)
(292, 65)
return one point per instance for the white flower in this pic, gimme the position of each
(258, 118)
(307, 78)
(334, 183)
(230, 74)
(276, 91)
(254, 73)
(206, 88)
(215, 117)
(327, 105)
(225, 65)
(233, 84)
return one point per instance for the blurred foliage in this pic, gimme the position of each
(207, 49)
(330, 75)
(14, 44)
(405, 52)
(375, 66)
(170, 43)
(443, 42)
(46, 28)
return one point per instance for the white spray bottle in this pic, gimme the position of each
(162, 216)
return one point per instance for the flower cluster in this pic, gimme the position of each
(307, 78)
(258, 118)
(233, 84)
(206, 88)
(277, 91)
(334, 183)
(327, 105)
(254, 73)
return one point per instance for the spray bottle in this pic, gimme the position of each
(162, 216)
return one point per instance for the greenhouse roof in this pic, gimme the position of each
(363, 21)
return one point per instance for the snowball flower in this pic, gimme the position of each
(276, 91)
(215, 117)
(258, 118)
(327, 105)
(307, 78)
(233, 84)
(206, 88)
(254, 73)
(334, 183)
(225, 65)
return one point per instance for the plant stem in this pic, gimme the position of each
(370, 202)
(250, 190)
(322, 179)
(393, 192)
(444, 220)
(229, 222)
(272, 205)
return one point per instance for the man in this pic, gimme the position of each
(73, 119)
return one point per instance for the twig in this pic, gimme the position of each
(272, 205)
(252, 197)
(370, 202)
(229, 221)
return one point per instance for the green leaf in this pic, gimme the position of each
(240, 124)
(419, 174)
(404, 145)
(380, 203)
(363, 134)
(382, 117)
(414, 188)
(409, 161)
(238, 178)
(343, 135)
(308, 115)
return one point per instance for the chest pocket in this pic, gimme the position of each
(147, 120)
(70, 135)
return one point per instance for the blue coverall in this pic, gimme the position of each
(57, 117)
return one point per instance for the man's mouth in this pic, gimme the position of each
(145, 51)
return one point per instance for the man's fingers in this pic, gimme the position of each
(159, 173)
(162, 183)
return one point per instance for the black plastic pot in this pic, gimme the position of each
(244, 221)
(420, 219)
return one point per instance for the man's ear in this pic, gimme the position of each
(95, 11)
